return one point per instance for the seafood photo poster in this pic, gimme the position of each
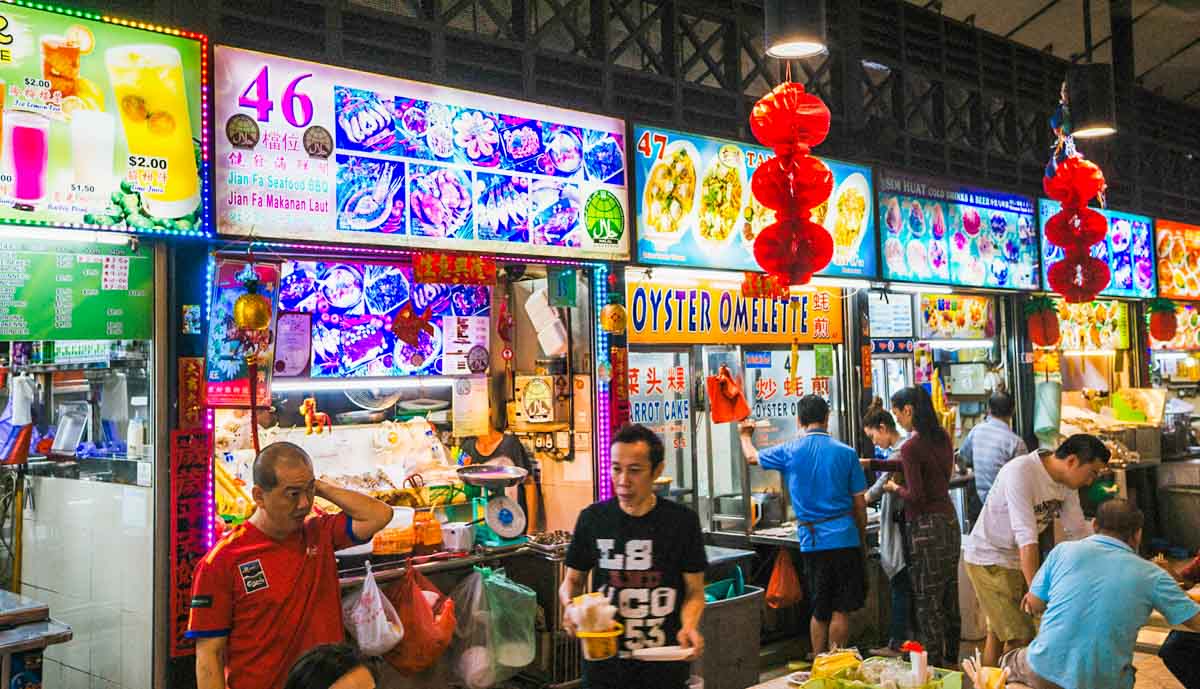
(940, 232)
(695, 207)
(1178, 248)
(1128, 250)
(312, 152)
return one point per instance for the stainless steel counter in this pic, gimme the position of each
(26, 625)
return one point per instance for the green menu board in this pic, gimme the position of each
(51, 290)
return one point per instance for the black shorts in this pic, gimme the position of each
(623, 673)
(835, 581)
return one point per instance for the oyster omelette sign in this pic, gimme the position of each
(306, 151)
(695, 207)
(705, 312)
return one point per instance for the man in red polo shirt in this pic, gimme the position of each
(268, 591)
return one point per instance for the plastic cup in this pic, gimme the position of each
(600, 645)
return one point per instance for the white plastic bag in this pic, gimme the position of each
(472, 656)
(370, 618)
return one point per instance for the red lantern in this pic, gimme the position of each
(1075, 183)
(1043, 321)
(1078, 277)
(782, 184)
(793, 249)
(1164, 323)
(1072, 227)
(790, 120)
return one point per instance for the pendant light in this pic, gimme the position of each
(1091, 101)
(794, 29)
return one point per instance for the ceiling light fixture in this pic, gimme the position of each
(1091, 101)
(794, 29)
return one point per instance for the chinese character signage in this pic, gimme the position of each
(659, 394)
(191, 526)
(306, 151)
(1096, 325)
(709, 312)
(957, 317)
(1178, 260)
(52, 290)
(102, 124)
(360, 312)
(695, 208)
(1128, 250)
(1187, 331)
(948, 234)
(774, 393)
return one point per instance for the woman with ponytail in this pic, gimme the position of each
(933, 537)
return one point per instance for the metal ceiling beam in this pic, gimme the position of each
(1170, 57)
(1033, 17)
(1077, 56)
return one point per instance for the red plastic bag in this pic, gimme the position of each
(428, 618)
(726, 398)
(784, 590)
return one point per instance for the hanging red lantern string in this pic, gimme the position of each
(1074, 181)
(791, 121)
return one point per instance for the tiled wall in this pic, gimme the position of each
(88, 554)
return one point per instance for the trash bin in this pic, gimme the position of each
(731, 630)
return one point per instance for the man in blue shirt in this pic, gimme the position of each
(828, 489)
(1096, 594)
(992, 444)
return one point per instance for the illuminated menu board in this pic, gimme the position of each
(1128, 250)
(311, 152)
(1178, 260)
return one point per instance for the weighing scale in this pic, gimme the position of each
(503, 519)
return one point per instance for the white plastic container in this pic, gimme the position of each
(458, 537)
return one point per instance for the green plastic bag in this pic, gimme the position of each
(513, 611)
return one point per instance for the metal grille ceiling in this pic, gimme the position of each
(1166, 38)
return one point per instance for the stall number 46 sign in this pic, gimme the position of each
(257, 97)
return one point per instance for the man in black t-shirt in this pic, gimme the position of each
(647, 555)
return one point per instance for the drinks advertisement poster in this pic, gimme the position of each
(102, 124)
(695, 208)
(1178, 260)
(945, 233)
(1128, 250)
(957, 317)
(358, 309)
(227, 372)
(306, 151)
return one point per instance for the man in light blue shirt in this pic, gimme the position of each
(992, 444)
(1096, 594)
(828, 487)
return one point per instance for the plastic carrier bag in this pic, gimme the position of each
(513, 610)
(783, 591)
(428, 617)
(472, 660)
(371, 619)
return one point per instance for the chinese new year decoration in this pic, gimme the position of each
(759, 286)
(1163, 322)
(791, 121)
(1043, 321)
(252, 318)
(314, 420)
(1074, 181)
(453, 269)
(613, 318)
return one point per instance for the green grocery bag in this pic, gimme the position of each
(513, 611)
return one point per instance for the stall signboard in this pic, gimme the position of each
(191, 486)
(1187, 330)
(227, 369)
(1097, 325)
(695, 208)
(103, 123)
(957, 317)
(945, 233)
(708, 312)
(891, 315)
(52, 290)
(1128, 250)
(660, 397)
(775, 393)
(1178, 260)
(358, 309)
(311, 152)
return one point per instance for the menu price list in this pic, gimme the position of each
(74, 292)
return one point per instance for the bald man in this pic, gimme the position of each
(268, 591)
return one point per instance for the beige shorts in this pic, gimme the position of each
(1000, 591)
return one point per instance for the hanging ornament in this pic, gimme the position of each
(1078, 277)
(1042, 316)
(613, 319)
(1164, 322)
(791, 121)
(251, 311)
(1076, 227)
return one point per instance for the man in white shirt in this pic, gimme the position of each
(1001, 553)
